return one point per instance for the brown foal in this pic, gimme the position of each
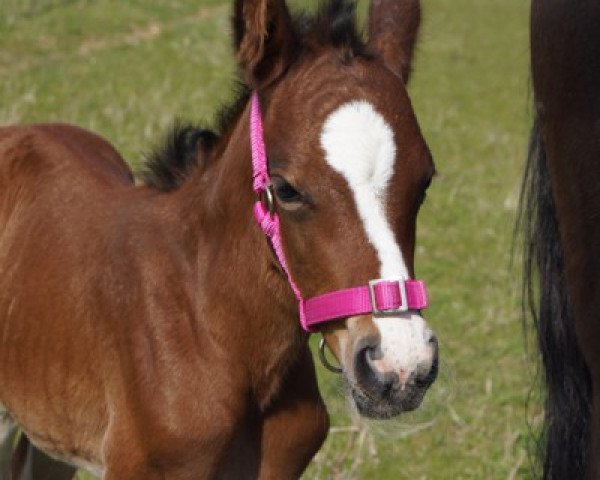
(149, 332)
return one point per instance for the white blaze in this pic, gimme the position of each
(359, 144)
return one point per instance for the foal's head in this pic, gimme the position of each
(350, 168)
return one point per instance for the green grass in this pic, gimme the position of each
(126, 69)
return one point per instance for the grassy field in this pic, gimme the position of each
(126, 69)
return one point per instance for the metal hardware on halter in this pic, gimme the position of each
(269, 198)
(389, 311)
(324, 360)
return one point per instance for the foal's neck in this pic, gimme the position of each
(243, 294)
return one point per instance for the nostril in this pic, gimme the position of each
(369, 342)
(370, 378)
(364, 371)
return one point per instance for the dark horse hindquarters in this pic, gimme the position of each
(563, 234)
(567, 404)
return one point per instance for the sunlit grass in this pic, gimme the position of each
(126, 69)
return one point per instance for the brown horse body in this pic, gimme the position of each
(127, 362)
(148, 334)
(564, 231)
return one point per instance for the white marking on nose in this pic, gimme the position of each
(405, 342)
(359, 144)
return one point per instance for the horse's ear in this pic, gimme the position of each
(264, 39)
(393, 29)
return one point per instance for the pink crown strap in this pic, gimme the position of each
(269, 223)
(257, 143)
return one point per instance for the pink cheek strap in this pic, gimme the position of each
(269, 224)
(388, 297)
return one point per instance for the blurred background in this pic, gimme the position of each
(127, 69)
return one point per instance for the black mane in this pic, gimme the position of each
(186, 145)
(168, 165)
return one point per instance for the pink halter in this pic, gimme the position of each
(380, 297)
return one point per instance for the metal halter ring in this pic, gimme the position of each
(324, 360)
(269, 198)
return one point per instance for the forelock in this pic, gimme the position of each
(334, 25)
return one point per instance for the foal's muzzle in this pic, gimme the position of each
(381, 391)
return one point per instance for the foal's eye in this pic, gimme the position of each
(286, 193)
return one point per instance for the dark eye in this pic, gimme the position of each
(285, 192)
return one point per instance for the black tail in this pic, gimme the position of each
(565, 438)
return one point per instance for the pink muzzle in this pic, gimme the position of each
(386, 297)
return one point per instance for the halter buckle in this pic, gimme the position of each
(388, 312)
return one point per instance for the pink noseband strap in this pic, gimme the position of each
(380, 298)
